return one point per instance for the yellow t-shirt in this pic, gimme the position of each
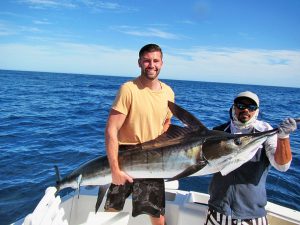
(146, 111)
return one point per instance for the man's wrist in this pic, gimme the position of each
(283, 136)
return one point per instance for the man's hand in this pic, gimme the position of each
(120, 178)
(286, 127)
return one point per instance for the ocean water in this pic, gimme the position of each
(49, 119)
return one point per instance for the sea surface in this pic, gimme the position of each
(49, 119)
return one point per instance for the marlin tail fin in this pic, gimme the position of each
(58, 178)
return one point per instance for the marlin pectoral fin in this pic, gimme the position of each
(101, 193)
(185, 117)
(189, 171)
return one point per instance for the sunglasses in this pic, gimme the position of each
(250, 107)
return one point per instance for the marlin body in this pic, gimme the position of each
(182, 151)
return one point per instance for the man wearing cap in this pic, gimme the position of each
(240, 196)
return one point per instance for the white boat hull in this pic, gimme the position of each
(182, 208)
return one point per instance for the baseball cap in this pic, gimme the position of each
(248, 94)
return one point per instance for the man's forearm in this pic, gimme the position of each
(283, 154)
(112, 147)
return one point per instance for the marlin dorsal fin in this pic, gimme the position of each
(175, 133)
(172, 136)
(185, 117)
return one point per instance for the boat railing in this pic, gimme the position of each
(47, 211)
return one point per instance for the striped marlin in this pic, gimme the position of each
(182, 151)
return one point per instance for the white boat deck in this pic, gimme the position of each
(182, 208)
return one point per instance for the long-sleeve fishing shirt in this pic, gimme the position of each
(241, 194)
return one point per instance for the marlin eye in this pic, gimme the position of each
(237, 141)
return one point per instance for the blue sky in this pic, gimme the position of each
(232, 41)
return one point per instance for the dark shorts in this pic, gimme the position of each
(148, 197)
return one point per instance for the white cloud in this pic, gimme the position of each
(111, 6)
(29, 29)
(43, 4)
(237, 66)
(13, 30)
(204, 64)
(5, 30)
(66, 57)
(101, 5)
(189, 22)
(145, 32)
(42, 22)
(93, 5)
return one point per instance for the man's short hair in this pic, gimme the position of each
(150, 48)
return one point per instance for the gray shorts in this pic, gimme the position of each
(148, 197)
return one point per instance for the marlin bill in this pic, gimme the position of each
(189, 150)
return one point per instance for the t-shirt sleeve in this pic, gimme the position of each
(171, 98)
(123, 100)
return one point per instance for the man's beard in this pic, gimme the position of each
(151, 76)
